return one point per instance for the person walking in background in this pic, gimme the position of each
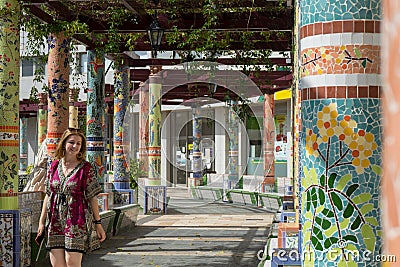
(70, 218)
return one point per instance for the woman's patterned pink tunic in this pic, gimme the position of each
(69, 217)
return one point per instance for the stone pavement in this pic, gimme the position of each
(193, 233)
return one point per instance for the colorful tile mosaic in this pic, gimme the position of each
(15, 236)
(313, 11)
(345, 59)
(340, 179)
(9, 92)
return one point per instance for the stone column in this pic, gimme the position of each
(9, 106)
(73, 110)
(58, 77)
(197, 162)
(42, 118)
(154, 149)
(233, 138)
(144, 125)
(340, 138)
(23, 144)
(391, 155)
(95, 113)
(121, 94)
(269, 145)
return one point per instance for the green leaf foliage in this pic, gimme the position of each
(356, 223)
(348, 210)
(351, 189)
(368, 236)
(337, 201)
(341, 184)
(331, 180)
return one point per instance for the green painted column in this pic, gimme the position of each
(95, 113)
(341, 132)
(58, 77)
(9, 104)
(154, 149)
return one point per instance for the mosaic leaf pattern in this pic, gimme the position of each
(339, 188)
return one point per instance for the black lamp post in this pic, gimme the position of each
(155, 33)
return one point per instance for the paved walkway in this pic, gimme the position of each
(193, 233)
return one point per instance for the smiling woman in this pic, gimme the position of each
(70, 212)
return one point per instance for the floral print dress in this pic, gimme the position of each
(69, 218)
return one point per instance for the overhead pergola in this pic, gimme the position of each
(274, 18)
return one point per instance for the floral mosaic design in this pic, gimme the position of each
(345, 59)
(9, 92)
(58, 82)
(95, 113)
(154, 148)
(120, 106)
(340, 180)
(329, 10)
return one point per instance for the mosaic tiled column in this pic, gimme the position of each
(154, 150)
(15, 224)
(391, 154)
(95, 113)
(58, 77)
(121, 94)
(42, 118)
(340, 139)
(23, 144)
(9, 105)
(197, 162)
(73, 110)
(269, 145)
(233, 153)
(143, 125)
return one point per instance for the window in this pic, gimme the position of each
(27, 67)
(82, 63)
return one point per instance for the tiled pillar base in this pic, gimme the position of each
(15, 235)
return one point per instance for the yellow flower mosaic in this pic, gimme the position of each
(359, 143)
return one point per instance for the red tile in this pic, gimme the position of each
(313, 93)
(310, 30)
(321, 93)
(359, 26)
(369, 26)
(374, 91)
(317, 28)
(352, 92)
(327, 28)
(362, 91)
(330, 92)
(337, 27)
(341, 91)
(304, 94)
(377, 26)
(348, 26)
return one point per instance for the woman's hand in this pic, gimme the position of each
(40, 230)
(101, 234)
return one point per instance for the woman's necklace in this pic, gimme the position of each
(68, 169)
